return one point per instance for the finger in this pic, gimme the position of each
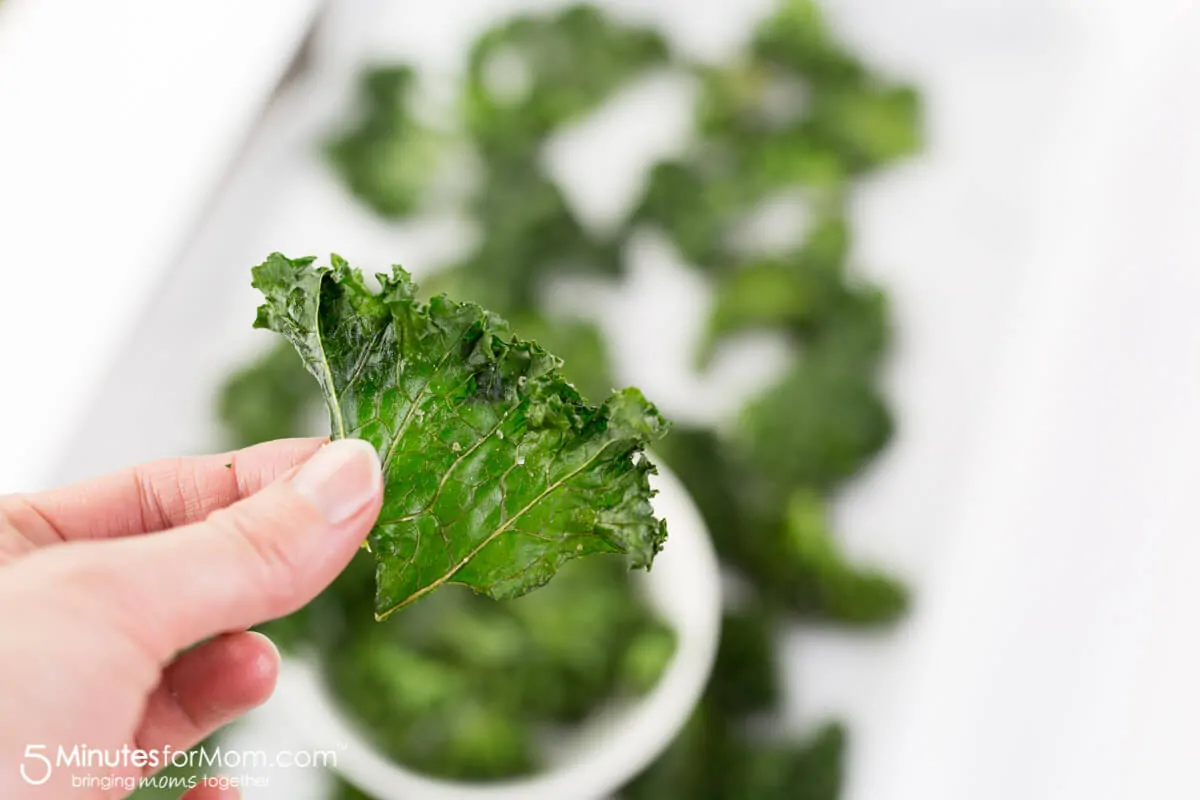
(153, 496)
(206, 688)
(255, 560)
(205, 791)
(13, 543)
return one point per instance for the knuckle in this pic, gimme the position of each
(13, 543)
(150, 501)
(195, 499)
(20, 514)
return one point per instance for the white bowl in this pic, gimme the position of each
(607, 750)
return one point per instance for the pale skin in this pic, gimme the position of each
(124, 601)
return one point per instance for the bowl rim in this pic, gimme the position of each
(684, 587)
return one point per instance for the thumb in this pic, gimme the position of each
(255, 560)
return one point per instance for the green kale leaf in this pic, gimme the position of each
(388, 157)
(496, 471)
(797, 38)
(269, 398)
(820, 579)
(343, 790)
(778, 537)
(714, 760)
(420, 684)
(696, 766)
(579, 343)
(527, 232)
(745, 677)
(412, 705)
(795, 293)
(817, 426)
(694, 206)
(810, 770)
(532, 74)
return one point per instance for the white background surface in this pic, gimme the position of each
(117, 120)
(1041, 261)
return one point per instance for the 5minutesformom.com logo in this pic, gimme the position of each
(40, 764)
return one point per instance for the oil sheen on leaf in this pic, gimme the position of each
(496, 471)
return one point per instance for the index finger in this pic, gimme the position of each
(153, 496)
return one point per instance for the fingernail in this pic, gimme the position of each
(340, 479)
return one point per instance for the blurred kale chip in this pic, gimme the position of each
(713, 759)
(388, 157)
(531, 75)
(794, 110)
(820, 578)
(344, 790)
(745, 679)
(811, 770)
(527, 233)
(270, 398)
(817, 426)
(777, 538)
(464, 687)
(797, 37)
(798, 293)
(695, 206)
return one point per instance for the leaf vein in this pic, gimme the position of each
(504, 527)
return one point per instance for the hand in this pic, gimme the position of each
(105, 585)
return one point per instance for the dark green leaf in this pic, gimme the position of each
(550, 656)
(777, 535)
(496, 472)
(387, 158)
(796, 37)
(819, 425)
(794, 293)
(744, 679)
(532, 74)
(422, 710)
(823, 582)
(810, 770)
(695, 767)
(748, 95)
(527, 231)
(713, 760)
(694, 207)
(854, 332)
(729, 495)
(581, 346)
(343, 790)
(569, 673)
(647, 657)
(869, 126)
(270, 398)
